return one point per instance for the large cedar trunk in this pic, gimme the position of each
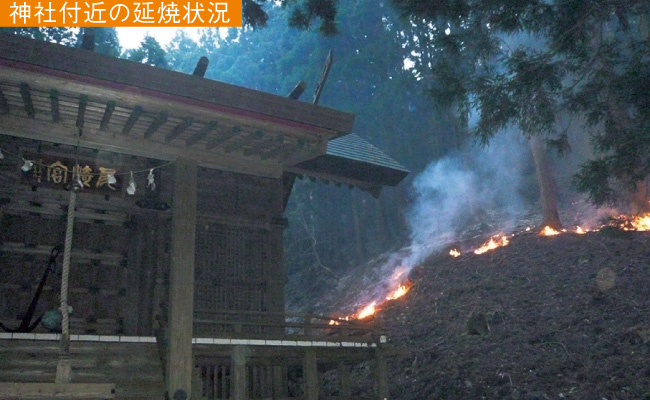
(546, 181)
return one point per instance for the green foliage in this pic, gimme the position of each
(183, 53)
(150, 52)
(106, 41)
(526, 63)
(60, 35)
(302, 15)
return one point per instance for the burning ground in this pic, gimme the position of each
(563, 316)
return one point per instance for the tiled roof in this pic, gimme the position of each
(353, 160)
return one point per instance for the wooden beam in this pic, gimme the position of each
(21, 126)
(4, 104)
(203, 132)
(283, 150)
(21, 390)
(297, 91)
(156, 124)
(108, 113)
(107, 73)
(179, 129)
(181, 279)
(263, 144)
(83, 102)
(236, 144)
(133, 118)
(239, 359)
(323, 76)
(310, 375)
(54, 105)
(26, 94)
(201, 67)
(257, 137)
(88, 40)
(224, 136)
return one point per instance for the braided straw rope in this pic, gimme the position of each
(63, 369)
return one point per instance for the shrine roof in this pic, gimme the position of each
(352, 159)
(55, 93)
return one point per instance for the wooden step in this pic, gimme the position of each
(133, 368)
(21, 390)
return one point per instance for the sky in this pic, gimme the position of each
(131, 37)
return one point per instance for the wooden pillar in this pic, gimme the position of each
(239, 356)
(381, 372)
(310, 375)
(280, 386)
(181, 280)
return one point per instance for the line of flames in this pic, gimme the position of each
(637, 223)
(375, 306)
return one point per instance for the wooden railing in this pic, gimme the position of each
(283, 326)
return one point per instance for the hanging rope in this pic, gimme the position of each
(63, 368)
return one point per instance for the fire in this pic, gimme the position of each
(375, 306)
(399, 292)
(454, 253)
(492, 244)
(638, 223)
(548, 231)
(368, 310)
(580, 231)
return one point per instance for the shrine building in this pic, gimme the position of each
(141, 241)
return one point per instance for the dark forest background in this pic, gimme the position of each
(408, 77)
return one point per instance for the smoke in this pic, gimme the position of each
(471, 193)
(476, 189)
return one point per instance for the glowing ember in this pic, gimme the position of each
(367, 311)
(548, 231)
(492, 244)
(454, 253)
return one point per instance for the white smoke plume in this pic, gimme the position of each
(459, 191)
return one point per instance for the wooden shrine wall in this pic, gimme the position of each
(120, 260)
(239, 262)
(109, 289)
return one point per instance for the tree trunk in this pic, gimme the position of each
(546, 181)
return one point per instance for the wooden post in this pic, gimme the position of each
(381, 372)
(201, 66)
(239, 379)
(181, 280)
(310, 375)
(280, 388)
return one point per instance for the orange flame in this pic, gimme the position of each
(548, 231)
(454, 253)
(492, 244)
(373, 307)
(580, 231)
(367, 310)
(638, 223)
(399, 292)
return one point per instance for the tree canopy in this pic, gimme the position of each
(529, 63)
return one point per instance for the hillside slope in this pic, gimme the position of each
(562, 317)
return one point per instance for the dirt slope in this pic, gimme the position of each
(563, 317)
